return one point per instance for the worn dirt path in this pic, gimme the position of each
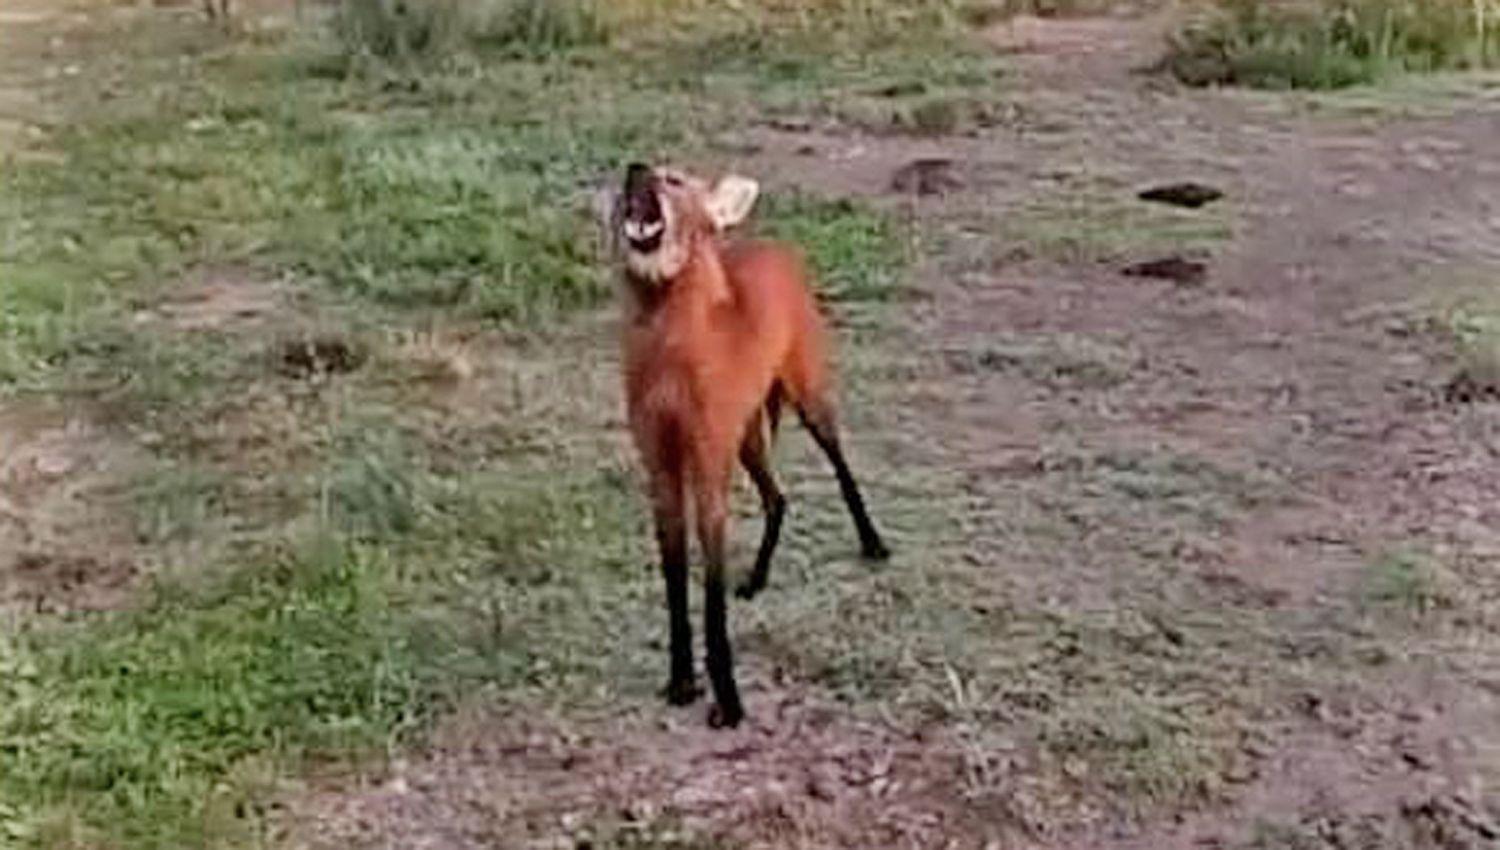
(1296, 358)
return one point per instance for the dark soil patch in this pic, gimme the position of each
(55, 583)
(1466, 388)
(1177, 269)
(1189, 195)
(927, 176)
(66, 542)
(323, 355)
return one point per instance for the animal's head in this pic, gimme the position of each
(661, 215)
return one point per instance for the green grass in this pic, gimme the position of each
(859, 254)
(1472, 322)
(1322, 44)
(128, 727)
(494, 548)
(457, 183)
(124, 727)
(375, 29)
(454, 559)
(1408, 582)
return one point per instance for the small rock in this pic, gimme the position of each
(1415, 760)
(54, 465)
(1427, 162)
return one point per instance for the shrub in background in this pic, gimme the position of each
(1332, 43)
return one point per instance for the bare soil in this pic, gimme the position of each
(65, 543)
(1284, 360)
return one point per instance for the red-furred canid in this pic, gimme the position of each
(718, 334)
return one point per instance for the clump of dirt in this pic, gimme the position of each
(310, 357)
(1449, 820)
(1176, 268)
(64, 544)
(798, 774)
(1468, 388)
(1187, 194)
(926, 176)
(51, 583)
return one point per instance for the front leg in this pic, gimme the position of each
(712, 526)
(671, 536)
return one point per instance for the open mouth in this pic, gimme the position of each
(643, 222)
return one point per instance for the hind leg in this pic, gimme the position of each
(755, 457)
(819, 418)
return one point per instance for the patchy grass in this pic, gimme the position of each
(479, 530)
(1097, 218)
(458, 185)
(371, 29)
(1408, 582)
(858, 253)
(915, 93)
(132, 728)
(1055, 361)
(1321, 44)
(1460, 310)
(123, 729)
(485, 548)
(1473, 324)
(985, 12)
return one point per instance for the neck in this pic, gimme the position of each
(700, 283)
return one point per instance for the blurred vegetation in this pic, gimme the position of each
(1319, 44)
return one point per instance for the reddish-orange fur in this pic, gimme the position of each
(719, 334)
(700, 362)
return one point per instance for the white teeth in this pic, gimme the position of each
(639, 231)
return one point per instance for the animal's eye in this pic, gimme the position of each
(672, 179)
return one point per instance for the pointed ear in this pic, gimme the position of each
(730, 200)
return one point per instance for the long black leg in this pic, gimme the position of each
(712, 525)
(754, 457)
(820, 421)
(671, 537)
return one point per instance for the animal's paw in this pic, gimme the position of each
(682, 692)
(721, 716)
(875, 550)
(748, 590)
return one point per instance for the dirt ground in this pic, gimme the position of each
(1293, 358)
(1288, 359)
